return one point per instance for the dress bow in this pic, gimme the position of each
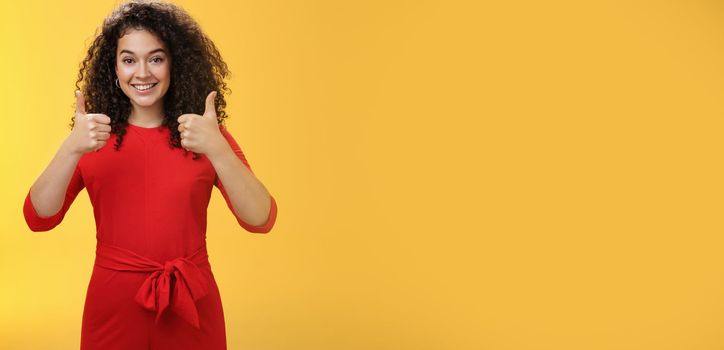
(176, 284)
(179, 277)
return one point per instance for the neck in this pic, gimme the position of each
(146, 116)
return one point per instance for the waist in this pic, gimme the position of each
(180, 277)
(117, 258)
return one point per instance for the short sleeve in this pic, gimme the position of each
(271, 219)
(39, 223)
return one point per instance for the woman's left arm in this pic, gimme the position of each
(253, 206)
(250, 199)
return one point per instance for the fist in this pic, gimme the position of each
(90, 130)
(200, 133)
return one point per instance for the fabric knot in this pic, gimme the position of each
(158, 293)
(168, 267)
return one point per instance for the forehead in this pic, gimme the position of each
(139, 41)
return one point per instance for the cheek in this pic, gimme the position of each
(162, 71)
(123, 72)
(164, 74)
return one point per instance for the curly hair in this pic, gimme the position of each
(196, 66)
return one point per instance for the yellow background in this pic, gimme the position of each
(449, 175)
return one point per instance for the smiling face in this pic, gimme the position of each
(143, 68)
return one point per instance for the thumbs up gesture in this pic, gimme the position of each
(90, 130)
(200, 133)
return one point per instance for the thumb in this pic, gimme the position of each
(210, 104)
(79, 102)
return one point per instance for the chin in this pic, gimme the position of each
(145, 103)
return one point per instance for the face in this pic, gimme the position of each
(143, 68)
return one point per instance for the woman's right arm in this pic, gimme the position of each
(48, 191)
(55, 189)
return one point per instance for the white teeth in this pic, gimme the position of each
(143, 87)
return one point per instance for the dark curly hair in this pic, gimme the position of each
(196, 66)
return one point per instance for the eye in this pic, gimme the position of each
(126, 59)
(157, 59)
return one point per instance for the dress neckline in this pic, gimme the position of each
(145, 128)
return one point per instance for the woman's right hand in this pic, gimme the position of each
(90, 130)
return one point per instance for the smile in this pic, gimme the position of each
(144, 87)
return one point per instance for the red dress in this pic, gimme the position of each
(151, 285)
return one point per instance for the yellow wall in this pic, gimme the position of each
(449, 175)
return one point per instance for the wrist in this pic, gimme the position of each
(220, 150)
(69, 149)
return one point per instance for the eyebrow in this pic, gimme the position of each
(153, 51)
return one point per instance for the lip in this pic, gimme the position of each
(144, 92)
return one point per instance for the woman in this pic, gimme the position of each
(152, 94)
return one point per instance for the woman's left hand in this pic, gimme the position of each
(200, 133)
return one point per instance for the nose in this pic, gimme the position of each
(142, 70)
